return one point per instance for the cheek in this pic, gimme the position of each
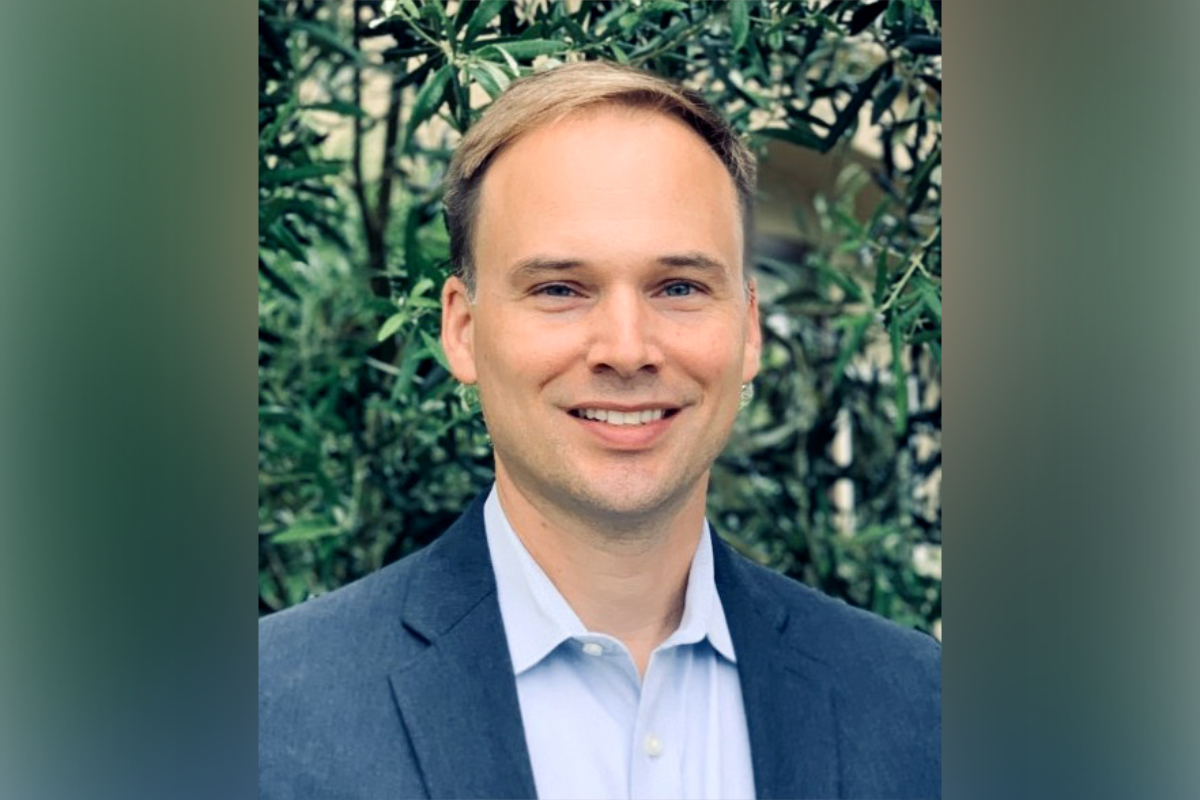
(515, 361)
(715, 354)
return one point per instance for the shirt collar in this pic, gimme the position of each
(538, 618)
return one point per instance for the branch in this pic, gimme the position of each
(916, 261)
(391, 134)
(360, 192)
(377, 231)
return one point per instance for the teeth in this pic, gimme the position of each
(622, 417)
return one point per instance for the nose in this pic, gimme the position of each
(624, 337)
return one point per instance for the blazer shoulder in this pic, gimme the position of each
(319, 633)
(336, 672)
(849, 640)
(884, 683)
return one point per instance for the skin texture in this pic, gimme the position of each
(609, 275)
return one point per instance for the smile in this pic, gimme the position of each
(611, 417)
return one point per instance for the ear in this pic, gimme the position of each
(753, 346)
(458, 330)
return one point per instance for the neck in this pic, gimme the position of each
(622, 579)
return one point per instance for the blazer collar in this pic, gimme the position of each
(787, 694)
(458, 697)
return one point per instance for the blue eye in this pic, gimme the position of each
(556, 290)
(679, 289)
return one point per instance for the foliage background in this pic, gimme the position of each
(367, 447)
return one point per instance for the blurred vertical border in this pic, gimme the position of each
(126, 351)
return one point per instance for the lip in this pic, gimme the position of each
(626, 437)
(625, 408)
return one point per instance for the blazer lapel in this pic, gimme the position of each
(788, 696)
(458, 698)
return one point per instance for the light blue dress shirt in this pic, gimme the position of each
(594, 730)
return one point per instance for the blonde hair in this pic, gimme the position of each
(547, 97)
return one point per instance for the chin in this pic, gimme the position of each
(630, 499)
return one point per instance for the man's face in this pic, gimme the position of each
(611, 331)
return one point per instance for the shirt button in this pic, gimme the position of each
(593, 649)
(654, 746)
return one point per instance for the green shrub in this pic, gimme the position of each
(368, 448)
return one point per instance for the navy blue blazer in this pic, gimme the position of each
(400, 685)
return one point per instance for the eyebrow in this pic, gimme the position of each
(528, 269)
(536, 267)
(694, 260)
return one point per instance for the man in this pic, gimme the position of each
(580, 631)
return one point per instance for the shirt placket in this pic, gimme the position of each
(656, 749)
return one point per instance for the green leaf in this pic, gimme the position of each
(276, 280)
(484, 13)
(328, 37)
(798, 133)
(849, 113)
(528, 49)
(435, 349)
(422, 286)
(433, 12)
(306, 210)
(502, 76)
(305, 532)
(929, 336)
(883, 101)
(920, 181)
(931, 299)
(428, 100)
(925, 9)
(864, 15)
(603, 27)
(296, 174)
(413, 356)
(283, 115)
(898, 377)
(393, 324)
(848, 285)
(923, 45)
(339, 106)
(655, 7)
(460, 103)
(578, 34)
(281, 236)
(491, 51)
(416, 76)
(482, 73)
(739, 22)
(895, 10)
(268, 337)
(881, 276)
(756, 65)
(852, 344)
(910, 303)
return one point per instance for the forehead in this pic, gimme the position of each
(608, 182)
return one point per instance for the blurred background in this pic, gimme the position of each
(126, 375)
(368, 448)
